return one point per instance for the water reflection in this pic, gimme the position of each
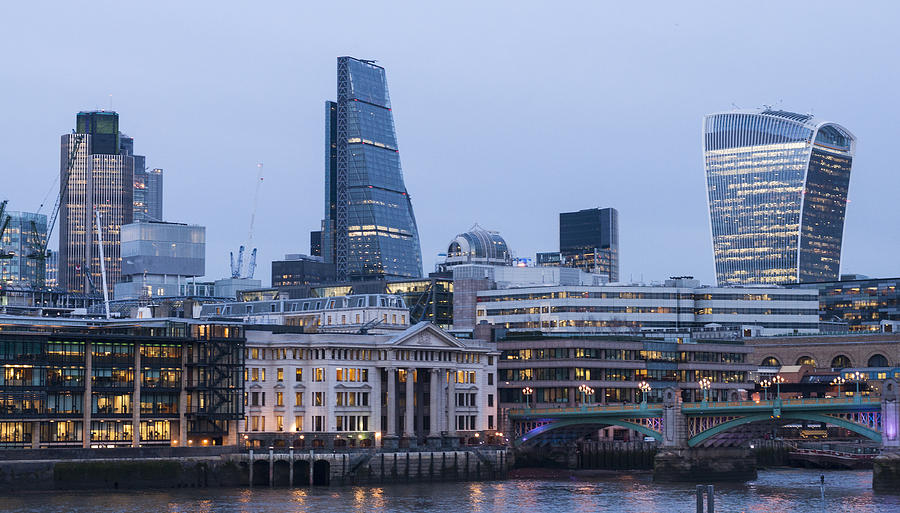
(795, 491)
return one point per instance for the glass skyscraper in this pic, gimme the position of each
(369, 230)
(19, 240)
(777, 188)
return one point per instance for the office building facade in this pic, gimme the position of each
(867, 304)
(777, 189)
(159, 258)
(613, 366)
(19, 240)
(589, 240)
(369, 230)
(78, 383)
(297, 273)
(674, 307)
(101, 177)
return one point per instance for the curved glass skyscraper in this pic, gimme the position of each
(777, 188)
(369, 229)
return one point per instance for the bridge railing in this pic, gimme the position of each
(802, 401)
(638, 407)
(594, 408)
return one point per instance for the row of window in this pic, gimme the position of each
(284, 353)
(622, 354)
(592, 374)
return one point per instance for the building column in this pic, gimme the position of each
(391, 429)
(410, 416)
(182, 400)
(451, 404)
(375, 424)
(87, 400)
(434, 398)
(136, 399)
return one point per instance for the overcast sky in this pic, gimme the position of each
(506, 113)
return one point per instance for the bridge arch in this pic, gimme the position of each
(587, 422)
(871, 434)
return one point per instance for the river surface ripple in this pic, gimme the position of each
(789, 490)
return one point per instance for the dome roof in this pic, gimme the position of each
(478, 246)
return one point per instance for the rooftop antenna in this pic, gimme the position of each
(735, 106)
(110, 102)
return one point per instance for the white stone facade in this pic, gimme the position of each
(319, 390)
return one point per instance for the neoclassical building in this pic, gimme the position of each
(415, 388)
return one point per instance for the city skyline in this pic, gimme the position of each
(473, 151)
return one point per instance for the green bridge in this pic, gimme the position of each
(711, 424)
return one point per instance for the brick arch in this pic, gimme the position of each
(840, 353)
(870, 354)
(807, 355)
(771, 355)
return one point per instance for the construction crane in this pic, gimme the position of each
(237, 267)
(4, 222)
(39, 252)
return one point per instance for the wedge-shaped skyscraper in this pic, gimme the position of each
(369, 230)
(777, 187)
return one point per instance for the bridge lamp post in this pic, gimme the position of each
(527, 392)
(838, 381)
(705, 385)
(585, 391)
(765, 384)
(645, 389)
(778, 380)
(858, 377)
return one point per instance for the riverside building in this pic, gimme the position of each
(777, 187)
(547, 370)
(412, 388)
(99, 383)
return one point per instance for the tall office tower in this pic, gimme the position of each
(777, 184)
(589, 240)
(101, 177)
(19, 240)
(369, 230)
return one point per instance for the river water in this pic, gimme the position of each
(788, 490)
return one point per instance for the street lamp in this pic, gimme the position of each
(527, 391)
(838, 381)
(765, 384)
(858, 377)
(778, 380)
(585, 391)
(705, 385)
(645, 389)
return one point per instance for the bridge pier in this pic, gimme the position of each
(676, 462)
(886, 467)
(702, 464)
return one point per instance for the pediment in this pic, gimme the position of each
(426, 336)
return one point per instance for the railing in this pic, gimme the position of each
(703, 405)
(804, 401)
(596, 408)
